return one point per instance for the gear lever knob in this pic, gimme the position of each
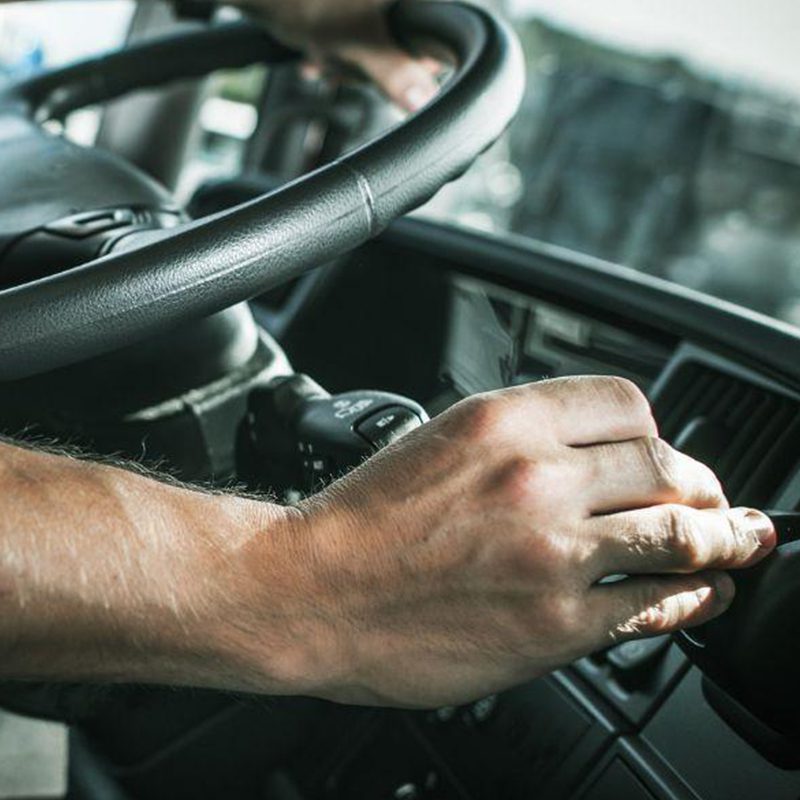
(750, 653)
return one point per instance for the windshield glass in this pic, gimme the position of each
(661, 136)
(34, 36)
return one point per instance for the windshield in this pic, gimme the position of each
(661, 136)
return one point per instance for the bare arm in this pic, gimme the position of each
(107, 575)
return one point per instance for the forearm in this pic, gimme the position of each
(106, 575)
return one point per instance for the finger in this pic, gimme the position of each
(645, 472)
(675, 538)
(312, 70)
(589, 410)
(640, 607)
(405, 81)
(431, 65)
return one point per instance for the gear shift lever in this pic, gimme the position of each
(751, 653)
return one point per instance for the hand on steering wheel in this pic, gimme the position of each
(198, 268)
(352, 33)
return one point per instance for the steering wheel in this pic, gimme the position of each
(148, 282)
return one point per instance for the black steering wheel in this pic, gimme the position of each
(159, 279)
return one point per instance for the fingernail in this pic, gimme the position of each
(417, 96)
(724, 587)
(760, 525)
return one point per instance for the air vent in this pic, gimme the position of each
(749, 435)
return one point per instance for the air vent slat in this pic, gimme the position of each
(748, 434)
(744, 435)
(778, 462)
(726, 403)
(744, 410)
(683, 400)
(758, 448)
(714, 395)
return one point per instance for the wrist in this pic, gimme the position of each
(270, 628)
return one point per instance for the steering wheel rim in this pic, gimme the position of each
(213, 263)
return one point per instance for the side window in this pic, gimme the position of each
(37, 35)
(227, 118)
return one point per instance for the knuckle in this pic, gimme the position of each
(683, 539)
(661, 461)
(662, 611)
(628, 392)
(522, 479)
(661, 615)
(630, 397)
(664, 608)
(657, 617)
(713, 491)
(742, 541)
(657, 614)
(650, 622)
(395, 80)
(549, 387)
(546, 557)
(554, 396)
(479, 417)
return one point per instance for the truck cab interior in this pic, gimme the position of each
(207, 266)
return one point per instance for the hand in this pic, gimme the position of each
(351, 33)
(461, 560)
(466, 557)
